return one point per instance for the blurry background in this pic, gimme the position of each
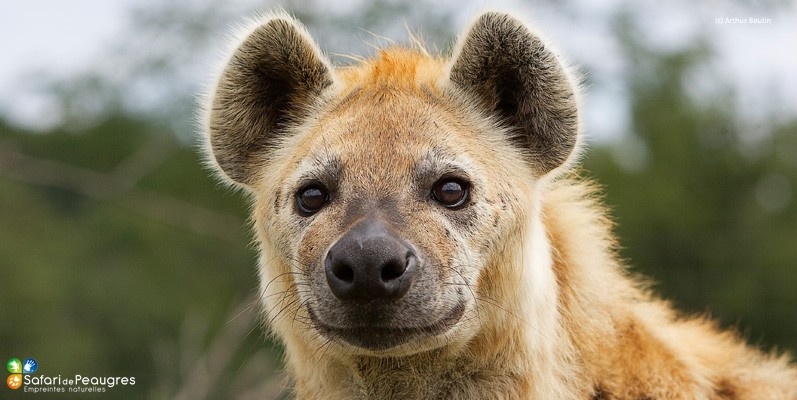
(120, 257)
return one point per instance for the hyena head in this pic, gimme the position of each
(385, 193)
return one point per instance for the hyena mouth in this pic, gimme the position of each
(377, 337)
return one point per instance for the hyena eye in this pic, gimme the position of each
(451, 192)
(311, 198)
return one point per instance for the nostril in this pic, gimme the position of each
(343, 272)
(393, 270)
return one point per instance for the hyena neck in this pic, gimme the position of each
(525, 335)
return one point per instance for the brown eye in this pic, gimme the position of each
(451, 192)
(311, 198)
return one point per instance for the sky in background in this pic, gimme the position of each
(51, 38)
(56, 39)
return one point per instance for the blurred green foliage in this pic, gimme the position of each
(704, 201)
(120, 256)
(98, 285)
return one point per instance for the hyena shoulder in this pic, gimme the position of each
(422, 233)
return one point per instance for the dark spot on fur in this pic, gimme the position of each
(600, 394)
(503, 203)
(725, 390)
(464, 217)
(277, 200)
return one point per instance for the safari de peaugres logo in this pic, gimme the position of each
(21, 375)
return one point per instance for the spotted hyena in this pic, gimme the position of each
(421, 236)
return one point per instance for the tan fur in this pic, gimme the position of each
(550, 312)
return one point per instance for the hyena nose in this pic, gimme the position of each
(370, 263)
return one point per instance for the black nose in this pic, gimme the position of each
(369, 263)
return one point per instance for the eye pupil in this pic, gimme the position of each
(311, 199)
(451, 193)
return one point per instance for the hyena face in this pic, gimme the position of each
(388, 218)
(384, 191)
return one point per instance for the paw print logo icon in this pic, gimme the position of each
(29, 366)
(14, 381)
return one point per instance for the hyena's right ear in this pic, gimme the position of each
(272, 79)
(512, 73)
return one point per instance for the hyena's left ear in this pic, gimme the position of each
(272, 79)
(512, 73)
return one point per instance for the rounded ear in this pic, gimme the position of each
(510, 71)
(273, 77)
